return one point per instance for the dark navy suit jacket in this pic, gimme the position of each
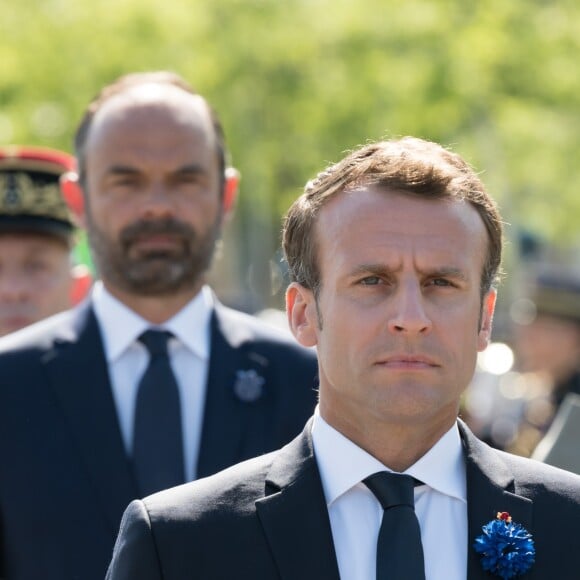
(65, 478)
(266, 519)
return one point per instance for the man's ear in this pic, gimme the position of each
(487, 310)
(73, 195)
(232, 181)
(301, 312)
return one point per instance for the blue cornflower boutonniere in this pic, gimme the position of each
(506, 548)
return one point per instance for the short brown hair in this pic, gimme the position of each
(129, 81)
(409, 165)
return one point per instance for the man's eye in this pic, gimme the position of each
(371, 281)
(189, 178)
(36, 266)
(440, 282)
(124, 181)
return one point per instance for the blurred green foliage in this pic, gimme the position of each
(298, 82)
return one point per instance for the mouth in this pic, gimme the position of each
(156, 243)
(159, 238)
(407, 362)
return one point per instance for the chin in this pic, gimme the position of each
(410, 401)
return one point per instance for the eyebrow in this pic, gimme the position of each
(381, 269)
(192, 168)
(374, 268)
(447, 272)
(121, 170)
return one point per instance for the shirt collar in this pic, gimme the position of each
(343, 464)
(121, 326)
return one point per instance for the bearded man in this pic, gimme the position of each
(151, 382)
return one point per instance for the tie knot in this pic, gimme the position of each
(156, 341)
(392, 489)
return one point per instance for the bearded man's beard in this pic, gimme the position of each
(154, 272)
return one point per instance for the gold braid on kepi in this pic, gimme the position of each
(31, 199)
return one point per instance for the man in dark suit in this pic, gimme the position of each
(394, 252)
(92, 413)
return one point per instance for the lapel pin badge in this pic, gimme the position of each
(248, 386)
(507, 549)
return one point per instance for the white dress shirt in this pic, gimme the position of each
(128, 358)
(355, 513)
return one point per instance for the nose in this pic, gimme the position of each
(408, 313)
(14, 287)
(157, 202)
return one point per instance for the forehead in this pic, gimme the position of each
(377, 225)
(24, 243)
(151, 117)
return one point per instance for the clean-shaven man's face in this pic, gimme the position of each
(398, 321)
(35, 279)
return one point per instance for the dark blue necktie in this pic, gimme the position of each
(157, 434)
(399, 548)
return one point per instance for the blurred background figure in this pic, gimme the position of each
(37, 277)
(519, 387)
(559, 447)
(547, 347)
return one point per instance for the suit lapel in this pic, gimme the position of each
(222, 422)
(294, 515)
(296, 523)
(78, 373)
(226, 416)
(490, 489)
